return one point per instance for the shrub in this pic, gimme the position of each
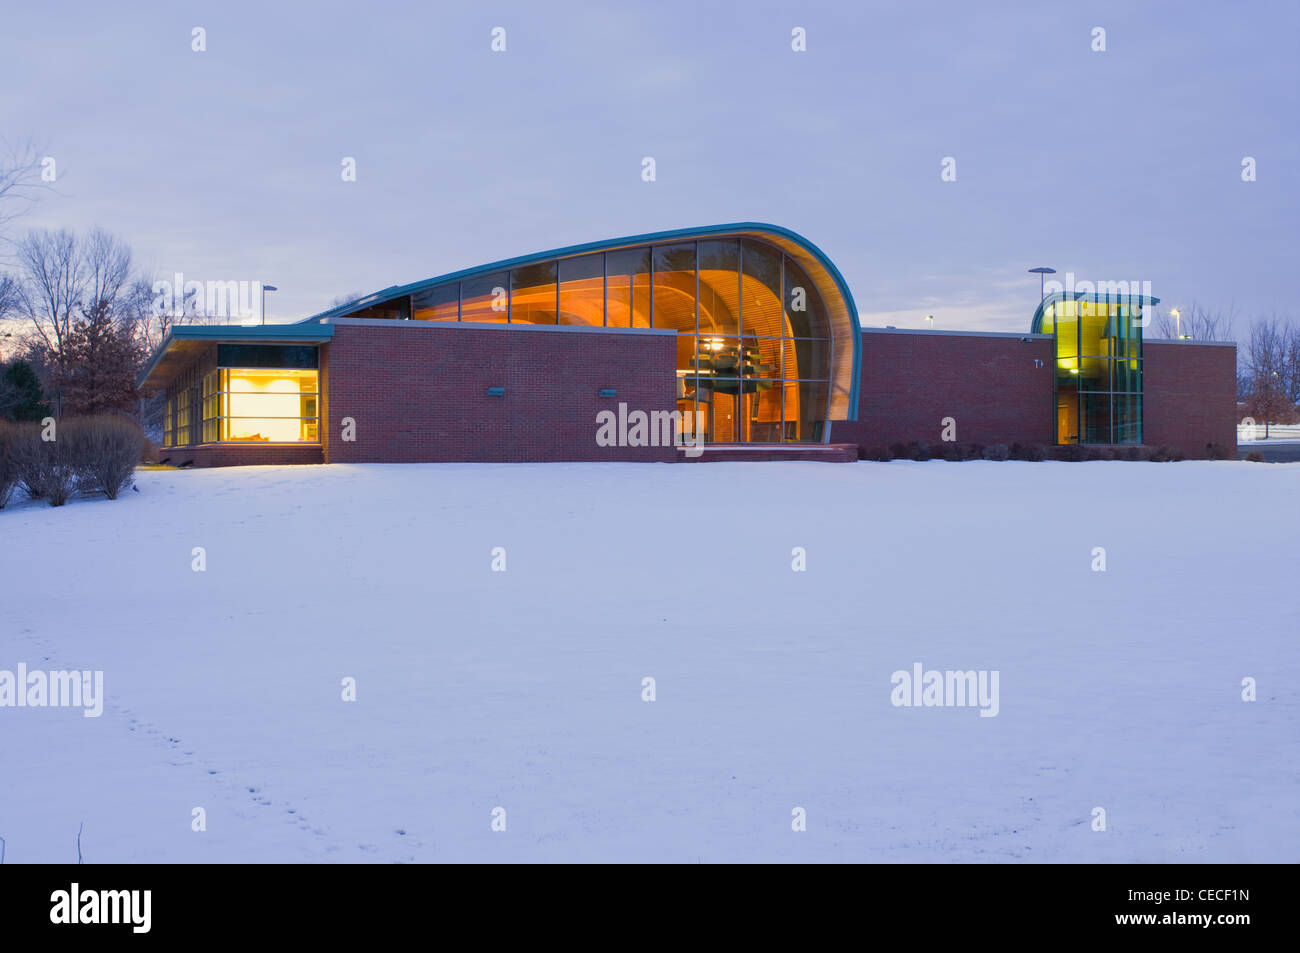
(1071, 453)
(8, 472)
(1136, 453)
(897, 451)
(1216, 451)
(974, 451)
(44, 467)
(997, 451)
(104, 450)
(918, 450)
(1255, 456)
(1165, 454)
(879, 454)
(952, 451)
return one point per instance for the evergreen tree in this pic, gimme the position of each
(20, 393)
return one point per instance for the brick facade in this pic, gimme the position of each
(1190, 396)
(988, 383)
(417, 391)
(241, 454)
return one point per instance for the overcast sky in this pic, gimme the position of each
(1123, 164)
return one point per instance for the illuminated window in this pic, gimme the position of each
(183, 417)
(628, 288)
(486, 298)
(211, 403)
(582, 290)
(269, 405)
(437, 304)
(169, 432)
(1098, 370)
(532, 294)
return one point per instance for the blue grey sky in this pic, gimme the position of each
(1123, 164)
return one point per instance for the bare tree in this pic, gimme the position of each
(1269, 387)
(20, 179)
(53, 279)
(1195, 323)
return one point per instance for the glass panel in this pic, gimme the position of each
(532, 294)
(812, 408)
(437, 304)
(765, 414)
(720, 287)
(1049, 319)
(804, 314)
(582, 290)
(1096, 418)
(210, 407)
(763, 358)
(1094, 327)
(1067, 373)
(270, 406)
(792, 414)
(674, 287)
(398, 309)
(811, 359)
(761, 313)
(183, 417)
(628, 301)
(1128, 376)
(485, 298)
(1067, 331)
(267, 355)
(1094, 374)
(1128, 418)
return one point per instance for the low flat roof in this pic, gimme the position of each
(184, 342)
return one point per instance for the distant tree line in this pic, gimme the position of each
(1268, 359)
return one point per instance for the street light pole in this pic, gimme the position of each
(1042, 273)
(265, 289)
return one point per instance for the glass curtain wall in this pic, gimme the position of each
(1098, 370)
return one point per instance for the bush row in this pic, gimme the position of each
(1071, 453)
(88, 455)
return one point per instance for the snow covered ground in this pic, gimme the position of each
(523, 689)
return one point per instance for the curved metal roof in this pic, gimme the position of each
(842, 311)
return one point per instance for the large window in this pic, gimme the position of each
(183, 417)
(1098, 369)
(268, 406)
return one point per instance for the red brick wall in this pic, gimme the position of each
(418, 392)
(241, 455)
(987, 383)
(1189, 396)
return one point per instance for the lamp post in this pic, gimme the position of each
(1042, 273)
(930, 318)
(1178, 324)
(265, 289)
